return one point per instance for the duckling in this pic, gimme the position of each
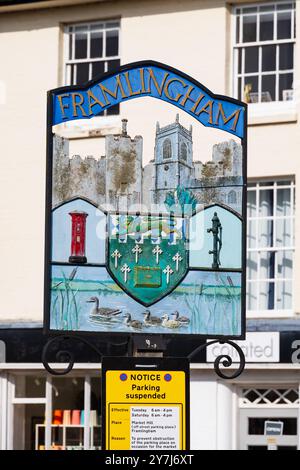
(169, 323)
(149, 320)
(133, 323)
(182, 319)
(104, 313)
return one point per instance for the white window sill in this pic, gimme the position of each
(270, 314)
(272, 113)
(99, 126)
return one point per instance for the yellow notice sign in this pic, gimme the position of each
(145, 410)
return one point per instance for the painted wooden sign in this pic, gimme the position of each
(145, 229)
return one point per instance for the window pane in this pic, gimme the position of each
(249, 9)
(29, 386)
(266, 27)
(113, 65)
(285, 264)
(284, 295)
(112, 43)
(251, 233)
(257, 425)
(70, 46)
(251, 203)
(97, 44)
(267, 265)
(283, 183)
(96, 26)
(97, 68)
(284, 25)
(70, 74)
(239, 88)
(252, 295)
(266, 295)
(268, 83)
(285, 84)
(237, 32)
(251, 59)
(240, 51)
(266, 202)
(284, 232)
(82, 73)
(80, 46)
(265, 233)
(286, 57)
(268, 58)
(112, 24)
(285, 6)
(267, 8)
(283, 202)
(251, 89)
(249, 28)
(252, 266)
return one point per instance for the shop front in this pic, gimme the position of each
(39, 411)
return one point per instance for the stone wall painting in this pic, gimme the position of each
(119, 180)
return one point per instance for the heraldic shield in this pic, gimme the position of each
(147, 255)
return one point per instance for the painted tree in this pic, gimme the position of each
(182, 197)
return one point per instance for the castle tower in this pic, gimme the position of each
(173, 165)
(123, 170)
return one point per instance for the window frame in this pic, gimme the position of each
(10, 400)
(257, 185)
(66, 75)
(236, 45)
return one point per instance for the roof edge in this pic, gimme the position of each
(23, 5)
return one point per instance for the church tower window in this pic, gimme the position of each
(167, 149)
(183, 151)
(232, 199)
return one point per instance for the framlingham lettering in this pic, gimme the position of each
(153, 82)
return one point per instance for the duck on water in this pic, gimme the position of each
(149, 320)
(168, 323)
(138, 325)
(102, 313)
(182, 319)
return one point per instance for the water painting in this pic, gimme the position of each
(88, 299)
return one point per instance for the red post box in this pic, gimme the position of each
(78, 237)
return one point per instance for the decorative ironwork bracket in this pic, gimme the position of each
(224, 359)
(67, 356)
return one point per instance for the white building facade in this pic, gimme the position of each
(249, 50)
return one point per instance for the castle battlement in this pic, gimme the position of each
(119, 179)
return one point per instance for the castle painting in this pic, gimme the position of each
(118, 181)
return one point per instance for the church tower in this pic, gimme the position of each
(173, 165)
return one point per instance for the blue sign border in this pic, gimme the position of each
(149, 79)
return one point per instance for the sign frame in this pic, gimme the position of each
(157, 364)
(48, 215)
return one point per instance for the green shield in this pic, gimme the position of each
(147, 255)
